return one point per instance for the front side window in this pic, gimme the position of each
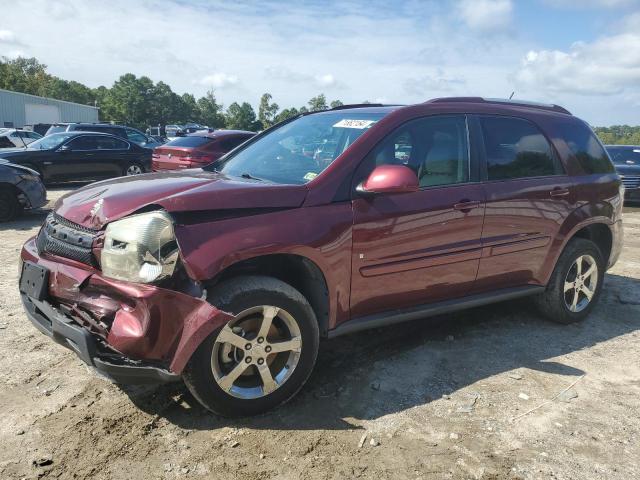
(300, 150)
(515, 148)
(435, 148)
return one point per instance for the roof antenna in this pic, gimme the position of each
(512, 94)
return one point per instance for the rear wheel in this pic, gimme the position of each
(10, 207)
(133, 169)
(576, 283)
(263, 356)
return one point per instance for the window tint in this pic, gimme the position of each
(85, 142)
(624, 155)
(435, 148)
(136, 137)
(230, 143)
(111, 143)
(515, 148)
(586, 148)
(190, 141)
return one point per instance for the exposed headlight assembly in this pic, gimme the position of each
(140, 248)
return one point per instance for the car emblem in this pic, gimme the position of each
(169, 156)
(96, 208)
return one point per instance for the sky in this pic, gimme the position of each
(582, 54)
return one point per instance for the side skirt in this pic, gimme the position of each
(398, 316)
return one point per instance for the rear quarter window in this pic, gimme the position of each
(585, 147)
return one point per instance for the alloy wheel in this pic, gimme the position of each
(580, 283)
(256, 352)
(134, 170)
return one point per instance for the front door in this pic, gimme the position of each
(416, 248)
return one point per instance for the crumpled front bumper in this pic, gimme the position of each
(150, 332)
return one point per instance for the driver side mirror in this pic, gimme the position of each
(390, 179)
(65, 148)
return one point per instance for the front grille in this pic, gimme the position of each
(631, 181)
(58, 236)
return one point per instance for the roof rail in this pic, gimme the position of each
(357, 105)
(504, 101)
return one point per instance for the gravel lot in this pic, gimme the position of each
(438, 398)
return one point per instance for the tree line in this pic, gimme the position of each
(139, 102)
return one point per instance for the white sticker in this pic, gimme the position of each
(360, 124)
(310, 176)
(636, 150)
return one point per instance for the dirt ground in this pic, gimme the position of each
(438, 398)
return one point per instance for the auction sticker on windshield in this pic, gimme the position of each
(360, 124)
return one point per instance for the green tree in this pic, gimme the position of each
(210, 111)
(318, 103)
(242, 117)
(336, 103)
(25, 75)
(267, 112)
(286, 114)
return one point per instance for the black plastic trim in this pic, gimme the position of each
(432, 309)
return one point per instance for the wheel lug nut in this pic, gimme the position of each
(260, 361)
(260, 340)
(267, 349)
(247, 346)
(248, 360)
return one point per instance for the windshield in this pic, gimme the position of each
(50, 141)
(300, 150)
(56, 129)
(624, 156)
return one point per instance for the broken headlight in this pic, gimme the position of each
(140, 248)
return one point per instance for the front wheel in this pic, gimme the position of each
(263, 356)
(576, 283)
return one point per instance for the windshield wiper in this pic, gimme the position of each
(250, 177)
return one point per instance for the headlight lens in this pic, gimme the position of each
(140, 248)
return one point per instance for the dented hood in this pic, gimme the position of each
(186, 191)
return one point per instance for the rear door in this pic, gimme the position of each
(416, 248)
(528, 196)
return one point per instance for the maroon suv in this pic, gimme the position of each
(228, 276)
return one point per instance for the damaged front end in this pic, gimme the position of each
(139, 328)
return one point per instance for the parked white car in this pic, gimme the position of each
(15, 138)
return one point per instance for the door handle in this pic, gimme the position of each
(466, 205)
(559, 192)
(47, 163)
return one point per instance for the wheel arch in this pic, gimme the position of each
(296, 270)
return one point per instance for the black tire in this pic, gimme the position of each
(10, 207)
(235, 296)
(132, 165)
(552, 303)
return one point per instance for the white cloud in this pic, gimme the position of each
(592, 3)
(432, 84)
(607, 66)
(326, 80)
(7, 36)
(486, 15)
(219, 80)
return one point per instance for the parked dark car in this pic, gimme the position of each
(197, 149)
(76, 156)
(20, 189)
(228, 276)
(626, 159)
(128, 133)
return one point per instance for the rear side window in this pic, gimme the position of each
(194, 141)
(585, 147)
(110, 143)
(516, 148)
